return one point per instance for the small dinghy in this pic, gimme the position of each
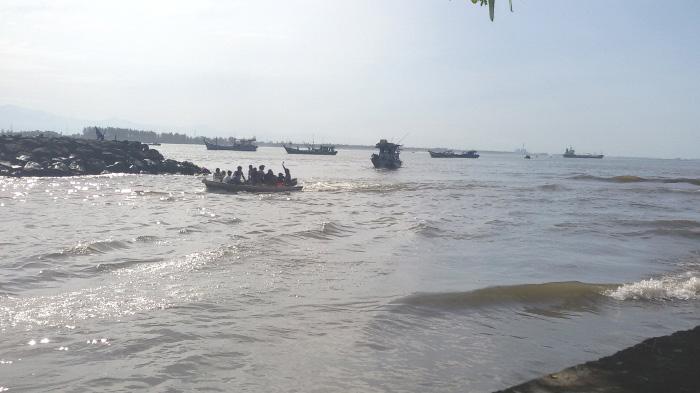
(230, 187)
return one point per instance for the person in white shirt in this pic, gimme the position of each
(227, 179)
(218, 175)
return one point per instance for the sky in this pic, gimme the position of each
(617, 77)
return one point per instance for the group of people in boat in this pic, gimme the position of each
(256, 176)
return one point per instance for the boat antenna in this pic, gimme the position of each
(403, 137)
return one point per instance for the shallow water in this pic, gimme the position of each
(446, 275)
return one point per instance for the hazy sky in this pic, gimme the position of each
(618, 77)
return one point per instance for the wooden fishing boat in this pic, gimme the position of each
(322, 150)
(388, 157)
(263, 189)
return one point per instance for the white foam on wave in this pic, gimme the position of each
(677, 288)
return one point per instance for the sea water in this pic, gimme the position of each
(445, 275)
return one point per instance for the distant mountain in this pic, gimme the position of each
(23, 119)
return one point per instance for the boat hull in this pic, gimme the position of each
(231, 147)
(293, 150)
(385, 164)
(434, 154)
(583, 156)
(228, 187)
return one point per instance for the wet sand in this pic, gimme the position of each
(663, 364)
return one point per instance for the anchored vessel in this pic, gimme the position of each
(451, 154)
(571, 153)
(238, 145)
(388, 156)
(322, 150)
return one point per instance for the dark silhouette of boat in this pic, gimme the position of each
(322, 150)
(571, 153)
(451, 154)
(237, 145)
(388, 156)
(214, 185)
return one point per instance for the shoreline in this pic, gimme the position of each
(661, 364)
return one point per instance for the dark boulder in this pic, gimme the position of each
(64, 156)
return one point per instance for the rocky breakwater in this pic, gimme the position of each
(65, 156)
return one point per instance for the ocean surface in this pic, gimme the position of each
(443, 276)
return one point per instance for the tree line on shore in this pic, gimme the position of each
(118, 134)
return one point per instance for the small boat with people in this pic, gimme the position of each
(259, 188)
(571, 153)
(257, 180)
(235, 144)
(388, 157)
(452, 154)
(321, 150)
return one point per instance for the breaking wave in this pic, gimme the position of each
(687, 288)
(97, 247)
(326, 231)
(89, 248)
(425, 229)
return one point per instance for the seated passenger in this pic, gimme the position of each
(227, 179)
(287, 175)
(280, 180)
(217, 175)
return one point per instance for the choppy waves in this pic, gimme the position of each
(511, 294)
(681, 228)
(129, 289)
(638, 179)
(368, 187)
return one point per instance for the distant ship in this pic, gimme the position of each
(388, 156)
(451, 154)
(570, 153)
(238, 145)
(322, 150)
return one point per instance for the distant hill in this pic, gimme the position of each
(23, 119)
(17, 118)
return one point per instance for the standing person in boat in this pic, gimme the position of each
(238, 177)
(270, 178)
(253, 177)
(251, 172)
(287, 175)
(261, 174)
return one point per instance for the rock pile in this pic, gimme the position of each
(64, 156)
